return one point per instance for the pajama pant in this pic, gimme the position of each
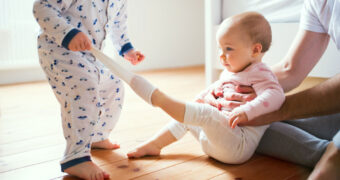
(91, 99)
(301, 141)
(232, 146)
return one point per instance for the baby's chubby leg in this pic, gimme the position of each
(153, 146)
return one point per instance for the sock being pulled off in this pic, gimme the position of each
(140, 85)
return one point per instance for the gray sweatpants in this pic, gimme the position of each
(301, 141)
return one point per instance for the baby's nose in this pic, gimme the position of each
(223, 57)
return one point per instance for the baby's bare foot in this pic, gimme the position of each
(87, 170)
(145, 150)
(106, 144)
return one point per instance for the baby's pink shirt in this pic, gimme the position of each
(270, 95)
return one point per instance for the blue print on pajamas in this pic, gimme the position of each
(91, 97)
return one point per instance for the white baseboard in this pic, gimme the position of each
(29, 73)
(19, 74)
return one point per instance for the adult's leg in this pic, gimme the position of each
(293, 144)
(292, 140)
(323, 127)
(328, 165)
(336, 140)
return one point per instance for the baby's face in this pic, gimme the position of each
(235, 48)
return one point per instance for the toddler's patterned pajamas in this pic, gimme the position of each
(91, 97)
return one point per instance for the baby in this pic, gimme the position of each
(243, 40)
(91, 97)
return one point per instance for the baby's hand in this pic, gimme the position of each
(80, 42)
(228, 104)
(236, 118)
(199, 100)
(134, 57)
(218, 92)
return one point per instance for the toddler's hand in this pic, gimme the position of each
(80, 42)
(236, 118)
(134, 57)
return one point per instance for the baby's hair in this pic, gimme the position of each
(257, 27)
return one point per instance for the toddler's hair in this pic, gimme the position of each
(258, 29)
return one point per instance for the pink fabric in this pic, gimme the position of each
(270, 95)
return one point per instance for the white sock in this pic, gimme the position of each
(140, 85)
(115, 68)
(143, 88)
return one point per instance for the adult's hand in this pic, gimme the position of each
(247, 93)
(264, 119)
(242, 95)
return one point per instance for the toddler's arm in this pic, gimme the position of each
(48, 15)
(120, 37)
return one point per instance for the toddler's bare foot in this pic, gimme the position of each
(144, 150)
(106, 144)
(87, 170)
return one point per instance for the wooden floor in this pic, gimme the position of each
(31, 140)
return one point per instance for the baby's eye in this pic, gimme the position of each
(229, 48)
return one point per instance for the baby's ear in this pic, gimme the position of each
(257, 49)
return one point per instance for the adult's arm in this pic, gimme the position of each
(305, 52)
(322, 99)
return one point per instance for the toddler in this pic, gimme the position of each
(91, 97)
(243, 40)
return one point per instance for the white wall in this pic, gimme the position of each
(169, 32)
